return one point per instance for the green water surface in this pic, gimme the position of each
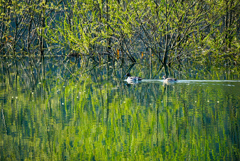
(54, 111)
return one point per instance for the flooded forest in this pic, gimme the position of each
(66, 92)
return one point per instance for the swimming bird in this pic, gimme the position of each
(132, 79)
(169, 79)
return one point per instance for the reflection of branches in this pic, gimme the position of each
(3, 118)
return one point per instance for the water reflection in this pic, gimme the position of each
(189, 82)
(88, 113)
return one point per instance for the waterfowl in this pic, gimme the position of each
(132, 78)
(169, 79)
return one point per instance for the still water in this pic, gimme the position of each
(65, 110)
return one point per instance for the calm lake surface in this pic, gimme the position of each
(66, 109)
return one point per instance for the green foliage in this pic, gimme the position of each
(170, 31)
(21, 25)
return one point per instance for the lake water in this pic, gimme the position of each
(68, 110)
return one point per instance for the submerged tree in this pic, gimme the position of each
(167, 26)
(22, 23)
(167, 30)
